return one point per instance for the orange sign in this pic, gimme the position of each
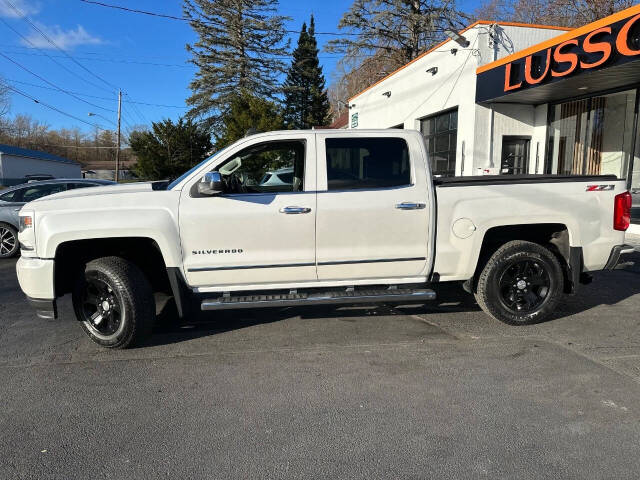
(594, 50)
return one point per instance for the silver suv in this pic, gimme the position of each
(12, 200)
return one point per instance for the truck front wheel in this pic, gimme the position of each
(114, 303)
(520, 284)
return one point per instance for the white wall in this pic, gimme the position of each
(416, 94)
(14, 168)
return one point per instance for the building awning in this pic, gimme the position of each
(600, 56)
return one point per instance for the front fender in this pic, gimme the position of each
(158, 224)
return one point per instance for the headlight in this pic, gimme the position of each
(26, 221)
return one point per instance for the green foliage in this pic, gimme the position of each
(169, 149)
(306, 102)
(239, 49)
(248, 112)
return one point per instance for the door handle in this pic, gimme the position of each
(410, 206)
(294, 210)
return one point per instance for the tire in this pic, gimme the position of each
(9, 245)
(521, 284)
(114, 303)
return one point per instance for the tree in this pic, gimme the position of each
(248, 112)
(397, 30)
(169, 149)
(306, 102)
(240, 49)
(563, 13)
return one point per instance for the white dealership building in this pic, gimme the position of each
(508, 98)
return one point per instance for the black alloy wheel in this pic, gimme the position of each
(524, 285)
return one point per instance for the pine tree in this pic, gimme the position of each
(306, 102)
(169, 149)
(239, 50)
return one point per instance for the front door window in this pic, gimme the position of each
(271, 167)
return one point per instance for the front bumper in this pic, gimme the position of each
(36, 279)
(617, 253)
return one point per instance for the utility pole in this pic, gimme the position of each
(118, 150)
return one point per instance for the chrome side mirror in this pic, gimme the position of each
(211, 184)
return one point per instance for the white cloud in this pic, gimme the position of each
(65, 39)
(23, 7)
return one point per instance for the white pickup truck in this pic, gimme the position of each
(317, 217)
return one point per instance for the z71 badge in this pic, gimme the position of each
(600, 188)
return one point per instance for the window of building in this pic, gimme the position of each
(270, 167)
(358, 163)
(441, 134)
(592, 136)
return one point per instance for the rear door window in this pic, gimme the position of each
(365, 163)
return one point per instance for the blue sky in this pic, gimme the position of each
(145, 56)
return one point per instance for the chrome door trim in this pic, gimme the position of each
(246, 267)
(377, 260)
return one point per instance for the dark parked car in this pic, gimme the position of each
(12, 200)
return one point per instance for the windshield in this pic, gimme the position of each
(193, 169)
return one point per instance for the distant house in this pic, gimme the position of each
(16, 164)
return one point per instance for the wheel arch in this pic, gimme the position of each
(71, 257)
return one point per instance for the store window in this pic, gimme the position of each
(441, 134)
(592, 136)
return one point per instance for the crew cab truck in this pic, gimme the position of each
(358, 218)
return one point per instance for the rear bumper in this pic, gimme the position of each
(46, 309)
(617, 253)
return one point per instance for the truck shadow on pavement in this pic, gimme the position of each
(608, 288)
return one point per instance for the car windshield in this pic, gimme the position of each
(189, 172)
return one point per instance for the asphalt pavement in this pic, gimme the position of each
(424, 392)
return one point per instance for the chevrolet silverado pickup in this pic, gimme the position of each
(353, 217)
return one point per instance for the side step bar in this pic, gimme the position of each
(320, 298)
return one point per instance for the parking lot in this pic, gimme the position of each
(434, 391)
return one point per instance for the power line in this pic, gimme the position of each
(156, 64)
(55, 45)
(95, 96)
(47, 55)
(186, 19)
(53, 84)
(56, 109)
(113, 60)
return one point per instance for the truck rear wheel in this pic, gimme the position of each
(520, 284)
(114, 303)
